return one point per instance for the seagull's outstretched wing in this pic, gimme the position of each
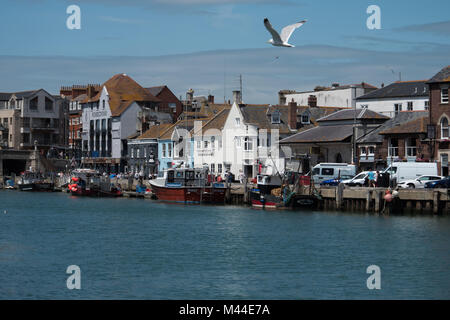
(288, 30)
(273, 32)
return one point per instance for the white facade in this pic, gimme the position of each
(108, 132)
(245, 147)
(337, 97)
(391, 106)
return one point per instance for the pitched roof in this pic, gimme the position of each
(317, 112)
(400, 119)
(350, 114)
(260, 115)
(156, 90)
(414, 126)
(187, 124)
(319, 134)
(123, 90)
(154, 132)
(217, 122)
(441, 76)
(399, 89)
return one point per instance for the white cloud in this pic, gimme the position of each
(300, 68)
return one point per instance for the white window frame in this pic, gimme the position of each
(447, 128)
(444, 97)
(411, 151)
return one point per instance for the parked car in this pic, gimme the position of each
(443, 183)
(335, 182)
(418, 182)
(357, 181)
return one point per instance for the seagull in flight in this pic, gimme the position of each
(282, 40)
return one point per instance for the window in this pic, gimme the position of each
(276, 117)
(34, 103)
(371, 151)
(237, 142)
(397, 108)
(138, 153)
(169, 149)
(327, 171)
(237, 121)
(205, 144)
(410, 106)
(213, 142)
(103, 103)
(411, 147)
(305, 119)
(219, 168)
(426, 105)
(164, 150)
(444, 128)
(393, 147)
(48, 104)
(248, 144)
(444, 95)
(220, 143)
(213, 167)
(363, 151)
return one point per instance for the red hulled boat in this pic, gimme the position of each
(187, 185)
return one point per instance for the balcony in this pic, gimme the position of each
(249, 154)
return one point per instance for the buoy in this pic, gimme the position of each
(388, 197)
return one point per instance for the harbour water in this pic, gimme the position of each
(142, 249)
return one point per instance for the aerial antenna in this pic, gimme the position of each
(240, 85)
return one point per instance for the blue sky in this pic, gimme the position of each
(206, 44)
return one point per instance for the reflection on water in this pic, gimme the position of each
(132, 248)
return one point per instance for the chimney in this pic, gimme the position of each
(190, 95)
(292, 115)
(382, 85)
(237, 96)
(90, 91)
(210, 99)
(312, 101)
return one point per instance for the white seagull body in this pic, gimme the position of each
(282, 40)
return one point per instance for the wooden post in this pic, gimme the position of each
(377, 201)
(435, 202)
(245, 191)
(368, 200)
(339, 196)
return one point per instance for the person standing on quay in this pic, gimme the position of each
(371, 176)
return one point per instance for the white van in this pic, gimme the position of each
(401, 171)
(327, 171)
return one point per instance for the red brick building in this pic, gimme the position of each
(169, 102)
(76, 94)
(439, 129)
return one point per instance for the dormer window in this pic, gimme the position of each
(237, 121)
(305, 119)
(275, 117)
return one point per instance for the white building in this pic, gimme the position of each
(334, 96)
(396, 97)
(120, 110)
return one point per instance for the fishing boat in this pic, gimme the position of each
(90, 183)
(187, 185)
(273, 192)
(30, 181)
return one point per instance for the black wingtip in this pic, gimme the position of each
(265, 19)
